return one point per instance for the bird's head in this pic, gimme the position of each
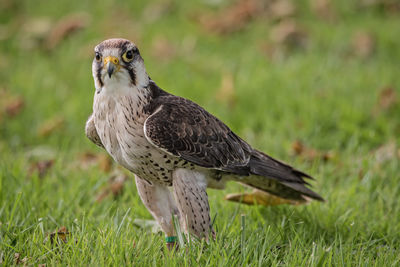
(117, 64)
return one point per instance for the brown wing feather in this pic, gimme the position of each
(184, 129)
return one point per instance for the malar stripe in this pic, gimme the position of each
(132, 75)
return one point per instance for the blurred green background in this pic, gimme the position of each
(314, 83)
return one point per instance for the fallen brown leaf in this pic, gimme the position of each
(8, 5)
(361, 174)
(10, 105)
(386, 152)
(105, 162)
(289, 34)
(89, 159)
(226, 92)
(50, 126)
(387, 98)
(115, 187)
(62, 235)
(15, 106)
(41, 167)
(258, 197)
(310, 154)
(232, 18)
(17, 258)
(324, 9)
(363, 44)
(65, 27)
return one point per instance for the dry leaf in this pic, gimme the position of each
(105, 162)
(226, 93)
(59, 236)
(41, 167)
(363, 44)
(162, 49)
(10, 105)
(289, 34)
(323, 9)
(387, 98)
(385, 152)
(361, 174)
(259, 197)
(9, 5)
(48, 127)
(65, 27)
(15, 106)
(115, 186)
(89, 159)
(310, 154)
(17, 258)
(233, 18)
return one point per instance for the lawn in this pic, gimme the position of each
(313, 83)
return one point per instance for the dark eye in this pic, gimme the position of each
(97, 56)
(128, 56)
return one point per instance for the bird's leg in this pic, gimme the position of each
(192, 200)
(159, 201)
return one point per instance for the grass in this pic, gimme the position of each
(322, 95)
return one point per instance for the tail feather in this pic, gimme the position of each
(278, 178)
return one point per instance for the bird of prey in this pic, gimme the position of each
(174, 147)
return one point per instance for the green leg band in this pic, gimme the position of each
(170, 239)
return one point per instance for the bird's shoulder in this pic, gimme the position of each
(185, 129)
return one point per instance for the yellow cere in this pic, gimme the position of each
(113, 60)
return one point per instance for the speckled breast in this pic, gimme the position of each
(119, 124)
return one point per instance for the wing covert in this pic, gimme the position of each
(186, 130)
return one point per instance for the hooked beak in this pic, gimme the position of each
(111, 64)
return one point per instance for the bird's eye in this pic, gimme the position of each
(128, 56)
(97, 56)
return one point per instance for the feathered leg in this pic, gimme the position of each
(159, 201)
(192, 200)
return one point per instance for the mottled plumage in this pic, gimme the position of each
(168, 141)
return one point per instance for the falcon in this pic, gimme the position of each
(174, 147)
